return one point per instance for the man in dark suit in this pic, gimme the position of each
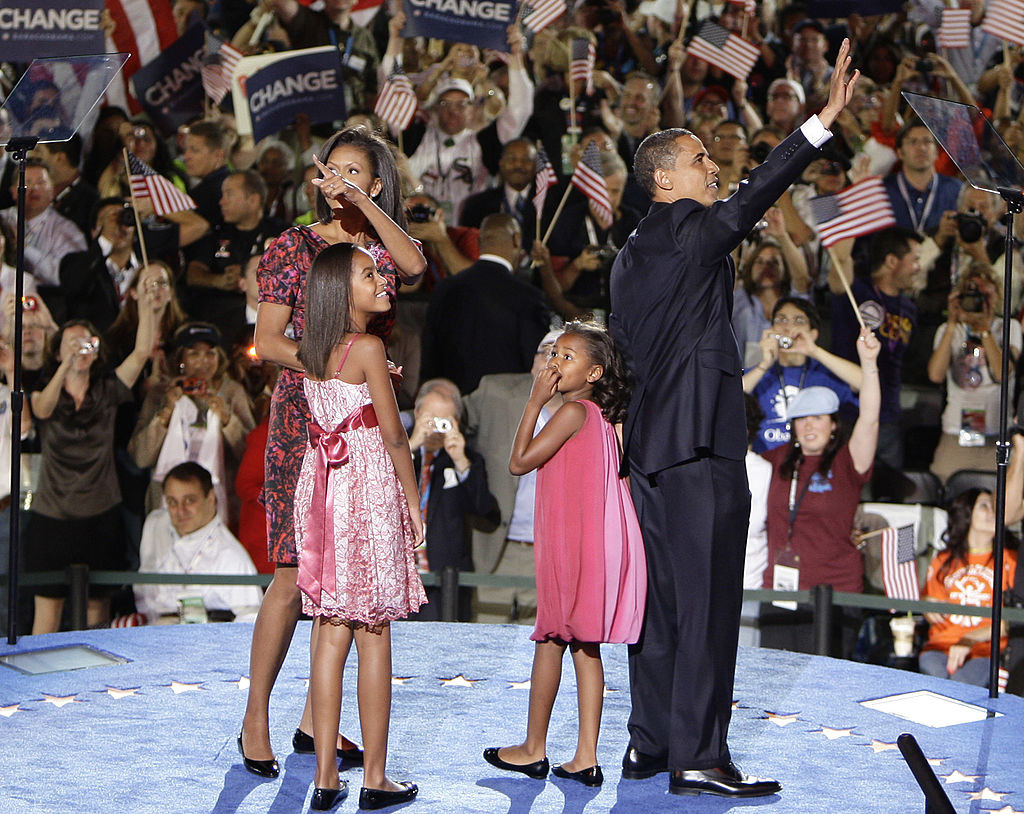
(514, 194)
(484, 319)
(454, 494)
(685, 440)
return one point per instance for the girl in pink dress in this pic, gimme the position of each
(591, 574)
(357, 517)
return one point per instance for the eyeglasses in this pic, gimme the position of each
(800, 322)
(449, 104)
(730, 137)
(769, 261)
(782, 95)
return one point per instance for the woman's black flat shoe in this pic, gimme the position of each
(264, 768)
(304, 745)
(326, 799)
(538, 770)
(588, 777)
(370, 799)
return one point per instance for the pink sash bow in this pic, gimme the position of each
(317, 565)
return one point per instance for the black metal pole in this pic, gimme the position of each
(1014, 205)
(936, 801)
(19, 148)
(78, 595)
(449, 594)
(821, 596)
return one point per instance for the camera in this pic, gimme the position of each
(126, 217)
(193, 386)
(973, 301)
(604, 13)
(87, 346)
(139, 133)
(420, 213)
(759, 152)
(832, 168)
(442, 425)
(924, 66)
(29, 303)
(970, 226)
(785, 342)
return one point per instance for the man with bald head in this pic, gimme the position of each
(484, 319)
(684, 442)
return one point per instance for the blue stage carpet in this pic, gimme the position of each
(158, 734)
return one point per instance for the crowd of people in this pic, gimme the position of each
(166, 418)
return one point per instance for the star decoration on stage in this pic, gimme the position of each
(519, 685)
(958, 777)
(832, 734)
(608, 690)
(781, 720)
(60, 700)
(881, 746)
(178, 687)
(460, 681)
(242, 683)
(1004, 810)
(935, 761)
(400, 680)
(987, 794)
(7, 712)
(117, 693)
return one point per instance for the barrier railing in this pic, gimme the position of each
(821, 598)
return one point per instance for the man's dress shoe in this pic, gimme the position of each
(379, 798)
(326, 799)
(304, 745)
(538, 770)
(727, 781)
(636, 765)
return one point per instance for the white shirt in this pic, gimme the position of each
(759, 475)
(48, 237)
(209, 550)
(121, 276)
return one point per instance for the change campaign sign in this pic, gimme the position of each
(478, 22)
(170, 87)
(307, 81)
(50, 28)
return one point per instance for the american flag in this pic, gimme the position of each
(148, 183)
(858, 210)
(588, 179)
(142, 29)
(1005, 19)
(219, 62)
(396, 103)
(724, 50)
(955, 31)
(544, 180)
(581, 66)
(899, 564)
(542, 13)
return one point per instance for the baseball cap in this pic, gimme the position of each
(794, 86)
(813, 401)
(453, 83)
(192, 332)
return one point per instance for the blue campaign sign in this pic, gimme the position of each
(308, 83)
(50, 28)
(478, 22)
(170, 87)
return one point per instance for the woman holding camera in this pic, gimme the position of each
(200, 414)
(968, 356)
(76, 515)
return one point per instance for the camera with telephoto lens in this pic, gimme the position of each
(420, 213)
(972, 300)
(924, 66)
(970, 226)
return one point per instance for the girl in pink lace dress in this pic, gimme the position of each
(591, 574)
(357, 517)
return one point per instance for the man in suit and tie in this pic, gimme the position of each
(685, 440)
(514, 195)
(453, 491)
(484, 319)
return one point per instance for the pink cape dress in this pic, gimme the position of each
(588, 553)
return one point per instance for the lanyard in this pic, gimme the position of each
(782, 381)
(914, 220)
(795, 500)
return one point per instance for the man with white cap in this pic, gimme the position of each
(786, 104)
(452, 160)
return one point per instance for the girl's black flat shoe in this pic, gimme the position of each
(263, 768)
(538, 770)
(326, 799)
(588, 777)
(304, 745)
(370, 799)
